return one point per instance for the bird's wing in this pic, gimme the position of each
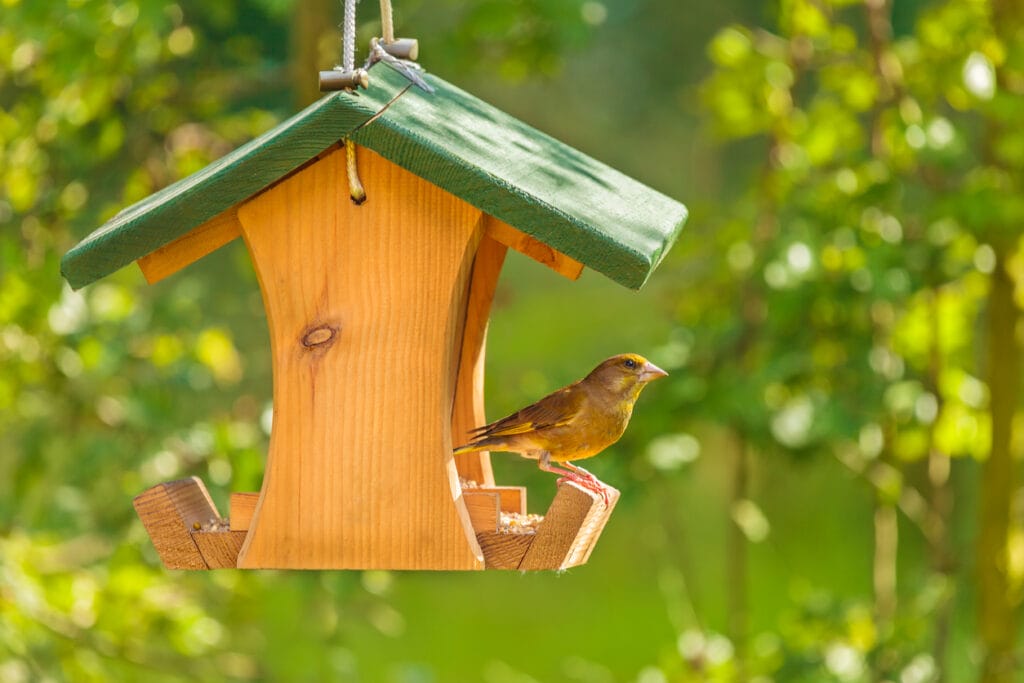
(554, 410)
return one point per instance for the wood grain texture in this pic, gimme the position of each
(219, 548)
(483, 508)
(570, 528)
(468, 408)
(243, 505)
(593, 526)
(360, 472)
(168, 512)
(534, 248)
(190, 247)
(504, 551)
(564, 538)
(511, 498)
(544, 188)
(182, 206)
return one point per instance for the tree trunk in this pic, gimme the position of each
(884, 577)
(998, 607)
(940, 511)
(737, 559)
(940, 504)
(884, 566)
(312, 19)
(997, 613)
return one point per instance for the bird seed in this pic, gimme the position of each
(517, 523)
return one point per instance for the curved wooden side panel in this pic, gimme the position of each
(365, 306)
(468, 410)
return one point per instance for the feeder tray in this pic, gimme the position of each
(189, 533)
(377, 317)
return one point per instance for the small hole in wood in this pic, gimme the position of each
(318, 336)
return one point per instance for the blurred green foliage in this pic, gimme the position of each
(801, 497)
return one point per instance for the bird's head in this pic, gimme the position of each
(627, 373)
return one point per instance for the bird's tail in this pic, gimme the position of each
(469, 448)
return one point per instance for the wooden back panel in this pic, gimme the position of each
(365, 306)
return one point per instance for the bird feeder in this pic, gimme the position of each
(377, 315)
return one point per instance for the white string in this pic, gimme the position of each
(348, 37)
(387, 25)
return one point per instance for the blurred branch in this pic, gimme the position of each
(887, 68)
(887, 478)
(884, 563)
(880, 475)
(672, 581)
(940, 507)
(737, 552)
(752, 312)
(998, 605)
(998, 613)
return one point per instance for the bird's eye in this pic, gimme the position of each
(629, 363)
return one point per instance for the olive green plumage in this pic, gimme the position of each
(573, 423)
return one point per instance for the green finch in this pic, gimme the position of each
(576, 422)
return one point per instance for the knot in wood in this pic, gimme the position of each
(318, 336)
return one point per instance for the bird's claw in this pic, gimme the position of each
(584, 473)
(589, 482)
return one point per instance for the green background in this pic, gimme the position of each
(826, 488)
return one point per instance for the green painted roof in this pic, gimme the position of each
(583, 208)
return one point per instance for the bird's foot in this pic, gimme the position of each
(582, 472)
(589, 482)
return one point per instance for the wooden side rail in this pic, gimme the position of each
(185, 527)
(564, 538)
(189, 533)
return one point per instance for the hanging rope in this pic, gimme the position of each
(348, 65)
(399, 54)
(387, 25)
(355, 187)
(348, 37)
(346, 76)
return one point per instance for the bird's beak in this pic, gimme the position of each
(651, 372)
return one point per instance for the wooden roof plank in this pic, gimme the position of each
(186, 204)
(192, 246)
(540, 186)
(510, 170)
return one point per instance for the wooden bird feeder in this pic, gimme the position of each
(377, 315)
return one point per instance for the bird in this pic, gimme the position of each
(576, 422)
